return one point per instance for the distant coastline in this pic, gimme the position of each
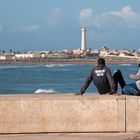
(112, 60)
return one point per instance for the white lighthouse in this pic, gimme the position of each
(83, 38)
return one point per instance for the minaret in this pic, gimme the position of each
(83, 38)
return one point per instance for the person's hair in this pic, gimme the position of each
(101, 61)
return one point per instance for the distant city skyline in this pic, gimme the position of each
(56, 24)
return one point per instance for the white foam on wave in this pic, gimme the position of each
(57, 65)
(125, 64)
(17, 66)
(51, 65)
(45, 91)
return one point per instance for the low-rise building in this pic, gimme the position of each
(24, 56)
(2, 57)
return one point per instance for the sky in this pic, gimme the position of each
(56, 24)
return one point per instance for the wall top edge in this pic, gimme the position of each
(69, 96)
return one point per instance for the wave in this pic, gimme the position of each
(58, 65)
(125, 64)
(18, 66)
(32, 66)
(45, 91)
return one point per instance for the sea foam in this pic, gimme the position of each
(44, 91)
(57, 65)
(125, 64)
(17, 66)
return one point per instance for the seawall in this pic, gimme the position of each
(109, 60)
(33, 113)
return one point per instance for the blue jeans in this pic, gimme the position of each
(130, 89)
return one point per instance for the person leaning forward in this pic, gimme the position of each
(102, 78)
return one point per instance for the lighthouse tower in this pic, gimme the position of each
(83, 38)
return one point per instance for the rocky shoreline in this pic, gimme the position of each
(109, 60)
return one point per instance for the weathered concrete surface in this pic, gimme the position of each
(61, 113)
(132, 113)
(72, 136)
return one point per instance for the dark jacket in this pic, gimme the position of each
(102, 79)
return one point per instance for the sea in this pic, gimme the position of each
(52, 78)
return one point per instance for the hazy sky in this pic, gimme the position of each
(55, 24)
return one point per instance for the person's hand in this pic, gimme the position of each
(113, 93)
(78, 94)
(116, 94)
(110, 93)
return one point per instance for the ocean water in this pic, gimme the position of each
(51, 78)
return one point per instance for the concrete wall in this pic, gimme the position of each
(61, 113)
(68, 113)
(133, 113)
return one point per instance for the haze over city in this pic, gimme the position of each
(56, 24)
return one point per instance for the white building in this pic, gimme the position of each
(2, 57)
(23, 56)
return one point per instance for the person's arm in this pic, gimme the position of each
(135, 76)
(86, 83)
(111, 81)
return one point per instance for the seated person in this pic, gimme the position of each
(131, 88)
(108, 84)
(101, 77)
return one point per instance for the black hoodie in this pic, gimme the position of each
(102, 79)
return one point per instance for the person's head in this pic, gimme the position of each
(101, 61)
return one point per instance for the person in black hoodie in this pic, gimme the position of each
(103, 80)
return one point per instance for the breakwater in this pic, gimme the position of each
(114, 60)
